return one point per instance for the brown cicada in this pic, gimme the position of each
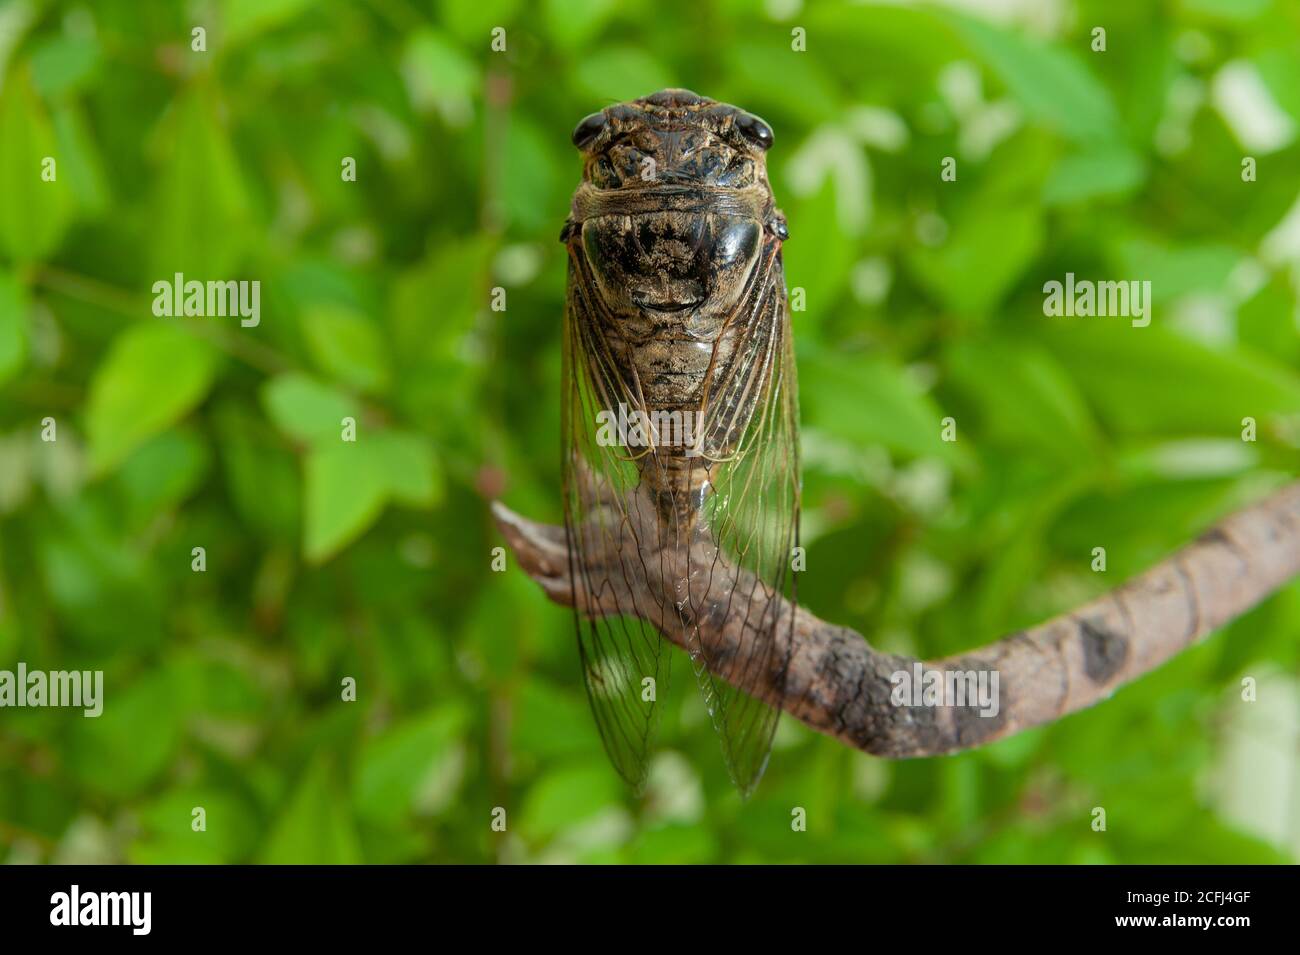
(680, 455)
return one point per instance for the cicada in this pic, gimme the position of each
(680, 420)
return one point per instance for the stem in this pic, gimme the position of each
(837, 684)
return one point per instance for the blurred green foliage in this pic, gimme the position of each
(371, 560)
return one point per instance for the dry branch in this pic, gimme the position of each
(839, 685)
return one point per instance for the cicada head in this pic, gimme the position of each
(673, 136)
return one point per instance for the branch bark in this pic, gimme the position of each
(837, 684)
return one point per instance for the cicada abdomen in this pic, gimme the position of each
(681, 467)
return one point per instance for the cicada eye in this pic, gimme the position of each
(588, 129)
(755, 130)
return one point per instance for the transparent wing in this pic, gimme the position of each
(624, 663)
(752, 520)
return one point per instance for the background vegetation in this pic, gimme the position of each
(372, 560)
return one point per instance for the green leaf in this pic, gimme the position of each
(345, 493)
(1152, 381)
(261, 477)
(305, 409)
(79, 160)
(571, 23)
(675, 845)
(13, 326)
(440, 370)
(551, 723)
(1113, 172)
(451, 276)
(219, 687)
(34, 213)
(568, 796)
(410, 768)
(989, 246)
(869, 400)
(617, 73)
(1265, 322)
(1227, 10)
(471, 22)
(121, 751)
(163, 472)
(315, 827)
(104, 590)
(1143, 521)
(438, 75)
(348, 346)
(348, 484)
(902, 42)
(409, 467)
(200, 210)
(153, 375)
(501, 628)
(1279, 68)
(246, 19)
(1026, 398)
(167, 833)
(1052, 85)
(819, 258)
(1175, 270)
(530, 184)
(64, 64)
(770, 72)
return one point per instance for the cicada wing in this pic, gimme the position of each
(625, 665)
(752, 518)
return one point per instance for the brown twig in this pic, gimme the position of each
(837, 684)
